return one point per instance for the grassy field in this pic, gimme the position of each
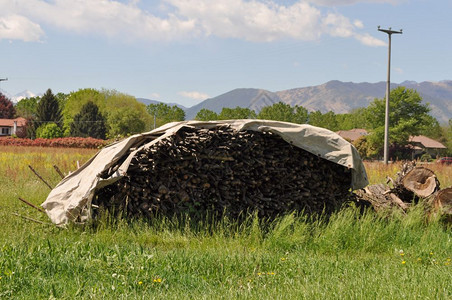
(350, 256)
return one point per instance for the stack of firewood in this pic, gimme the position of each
(215, 171)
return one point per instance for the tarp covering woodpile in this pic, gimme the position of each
(239, 164)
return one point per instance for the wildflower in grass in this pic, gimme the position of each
(283, 259)
(403, 262)
(259, 274)
(419, 259)
(401, 252)
(431, 253)
(140, 282)
(157, 280)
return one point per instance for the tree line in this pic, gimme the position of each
(110, 114)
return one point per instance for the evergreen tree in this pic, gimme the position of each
(7, 110)
(89, 122)
(48, 110)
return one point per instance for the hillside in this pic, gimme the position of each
(254, 99)
(337, 96)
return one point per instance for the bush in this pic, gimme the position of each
(67, 142)
(426, 157)
(49, 131)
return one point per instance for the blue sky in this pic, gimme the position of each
(185, 51)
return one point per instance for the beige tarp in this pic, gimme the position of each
(71, 199)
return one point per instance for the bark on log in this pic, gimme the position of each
(442, 203)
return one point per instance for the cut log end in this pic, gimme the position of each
(421, 181)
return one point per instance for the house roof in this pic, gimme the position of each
(352, 134)
(10, 122)
(427, 142)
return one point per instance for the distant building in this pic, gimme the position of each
(353, 134)
(421, 144)
(12, 126)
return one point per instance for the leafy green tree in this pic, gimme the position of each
(236, 113)
(206, 115)
(7, 110)
(113, 106)
(127, 121)
(447, 133)
(27, 107)
(326, 120)
(49, 131)
(365, 148)
(164, 113)
(284, 112)
(48, 110)
(74, 102)
(355, 119)
(278, 112)
(301, 115)
(407, 117)
(89, 122)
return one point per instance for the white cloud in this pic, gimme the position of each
(16, 27)
(398, 70)
(358, 24)
(350, 2)
(194, 95)
(369, 40)
(251, 20)
(155, 95)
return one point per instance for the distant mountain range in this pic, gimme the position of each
(337, 96)
(17, 97)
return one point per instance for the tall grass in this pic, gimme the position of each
(351, 255)
(378, 172)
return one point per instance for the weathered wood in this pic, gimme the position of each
(421, 181)
(39, 176)
(442, 202)
(58, 171)
(32, 205)
(33, 220)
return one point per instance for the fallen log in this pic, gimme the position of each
(441, 203)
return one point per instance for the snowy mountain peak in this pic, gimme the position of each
(19, 96)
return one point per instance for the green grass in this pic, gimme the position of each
(349, 256)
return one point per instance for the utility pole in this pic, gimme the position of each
(388, 87)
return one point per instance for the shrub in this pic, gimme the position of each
(426, 157)
(67, 142)
(49, 131)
